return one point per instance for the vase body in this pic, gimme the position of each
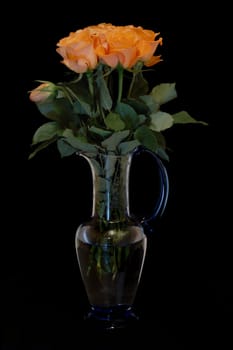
(111, 247)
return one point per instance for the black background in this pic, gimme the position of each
(186, 290)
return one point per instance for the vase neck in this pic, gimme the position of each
(110, 174)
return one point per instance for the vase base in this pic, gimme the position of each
(112, 318)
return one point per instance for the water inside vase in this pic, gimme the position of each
(111, 272)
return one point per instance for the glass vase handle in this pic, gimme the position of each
(162, 198)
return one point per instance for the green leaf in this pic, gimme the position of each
(128, 146)
(160, 121)
(150, 102)
(161, 139)
(140, 86)
(79, 145)
(146, 137)
(42, 146)
(104, 95)
(46, 132)
(79, 135)
(114, 122)
(184, 117)
(80, 107)
(59, 109)
(162, 153)
(164, 92)
(139, 106)
(65, 148)
(127, 114)
(100, 132)
(141, 119)
(113, 141)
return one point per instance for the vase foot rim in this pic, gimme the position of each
(112, 318)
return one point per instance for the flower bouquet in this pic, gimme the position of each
(106, 104)
(104, 111)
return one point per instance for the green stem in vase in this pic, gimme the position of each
(120, 71)
(90, 82)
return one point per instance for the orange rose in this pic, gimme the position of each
(121, 48)
(146, 50)
(128, 44)
(43, 92)
(112, 45)
(78, 51)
